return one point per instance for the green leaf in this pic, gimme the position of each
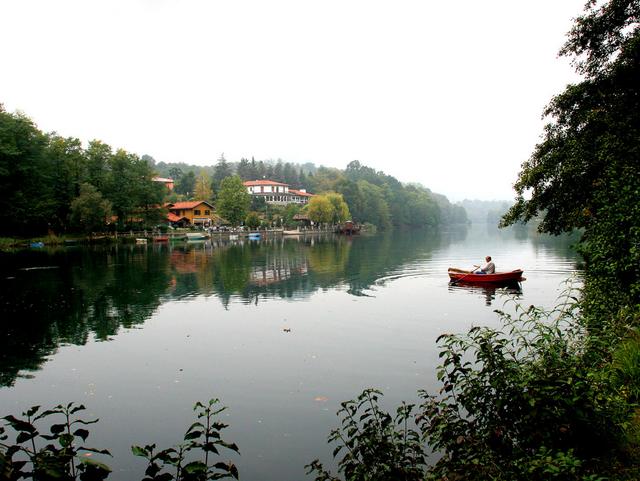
(24, 437)
(195, 467)
(65, 440)
(32, 410)
(58, 428)
(82, 433)
(77, 408)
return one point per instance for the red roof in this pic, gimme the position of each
(188, 204)
(249, 183)
(173, 218)
(300, 193)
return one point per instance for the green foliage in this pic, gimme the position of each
(626, 367)
(90, 211)
(54, 456)
(203, 189)
(222, 171)
(252, 220)
(584, 174)
(57, 456)
(25, 176)
(320, 210)
(517, 403)
(339, 208)
(374, 444)
(203, 437)
(289, 213)
(135, 198)
(186, 184)
(41, 175)
(233, 200)
(513, 399)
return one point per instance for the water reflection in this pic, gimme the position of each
(69, 296)
(489, 291)
(91, 293)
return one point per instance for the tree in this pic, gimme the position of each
(67, 159)
(290, 175)
(375, 206)
(203, 186)
(244, 169)
(176, 174)
(90, 211)
(320, 209)
(97, 158)
(253, 170)
(233, 200)
(252, 220)
(278, 171)
(584, 173)
(223, 170)
(134, 196)
(340, 209)
(186, 185)
(25, 176)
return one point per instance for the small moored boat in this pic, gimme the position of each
(197, 236)
(460, 275)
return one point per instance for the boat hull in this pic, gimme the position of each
(459, 275)
(197, 236)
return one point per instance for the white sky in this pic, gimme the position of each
(445, 93)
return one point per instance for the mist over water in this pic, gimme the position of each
(280, 330)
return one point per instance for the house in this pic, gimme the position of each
(196, 212)
(277, 192)
(169, 183)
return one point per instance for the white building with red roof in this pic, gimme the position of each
(277, 192)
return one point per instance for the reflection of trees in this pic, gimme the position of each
(93, 292)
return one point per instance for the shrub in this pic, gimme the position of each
(50, 456)
(523, 402)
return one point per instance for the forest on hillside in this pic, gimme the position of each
(54, 184)
(372, 196)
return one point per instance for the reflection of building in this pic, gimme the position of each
(279, 270)
(276, 192)
(196, 212)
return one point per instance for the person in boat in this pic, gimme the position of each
(488, 268)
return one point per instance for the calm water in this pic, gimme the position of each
(281, 331)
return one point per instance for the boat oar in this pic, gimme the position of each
(468, 274)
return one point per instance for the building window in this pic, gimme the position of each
(196, 212)
(207, 212)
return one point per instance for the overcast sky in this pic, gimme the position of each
(448, 94)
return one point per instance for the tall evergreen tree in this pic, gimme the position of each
(244, 169)
(222, 171)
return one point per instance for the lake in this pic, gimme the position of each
(280, 330)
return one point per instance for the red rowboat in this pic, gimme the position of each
(460, 275)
